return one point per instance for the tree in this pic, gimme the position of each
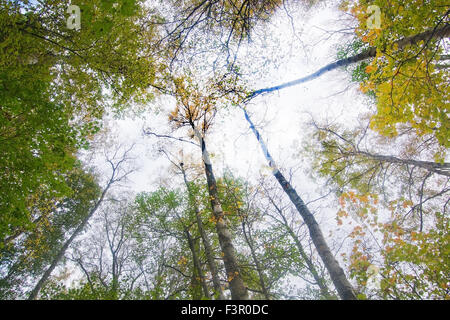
(117, 174)
(337, 275)
(53, 84)
(195, 234)
(409, 88)
(397, 201)
(402, 72)
(196, 111)
(28, 251)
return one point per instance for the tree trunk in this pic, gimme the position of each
(249, 240)
(337, 275)
(435, 167)
(371, 52)
(208, 249)
(237, 287)
(319, 280)
(197, 266)
(34, 293)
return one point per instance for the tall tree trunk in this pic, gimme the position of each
(115, 279)
(34, 293)
(208, 249)
(197, 265)
(435, 167)
(337, 275)
(237, 287)
(319, 280)
(371, 52)
(249, 240)
(114, 178)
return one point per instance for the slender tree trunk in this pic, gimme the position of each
(237, 287)
(435, 167)
(115, 279)
(324, 290)
(337, 275)
(208, 249)
(34, 293)
(249, 240)
(114, 178)
(197, 265)
(319, 280)
(371, 52)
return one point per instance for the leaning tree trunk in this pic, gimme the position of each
(371, 52)
(114, 178)
(237, 287)
(259, 270)
(34, 293)
(324, 291)
(337, 275)
(197, 264)
(208, 249)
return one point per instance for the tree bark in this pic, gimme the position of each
(197, 265)
(435, 33)
(337, 275)
(208, 249)
(237, 287)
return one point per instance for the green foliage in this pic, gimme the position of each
(93, 290)
(32, 248)
(54, 86)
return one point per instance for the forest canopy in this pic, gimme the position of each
(232, 149)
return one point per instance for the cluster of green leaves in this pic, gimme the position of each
(358, 71)
(54, 86)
